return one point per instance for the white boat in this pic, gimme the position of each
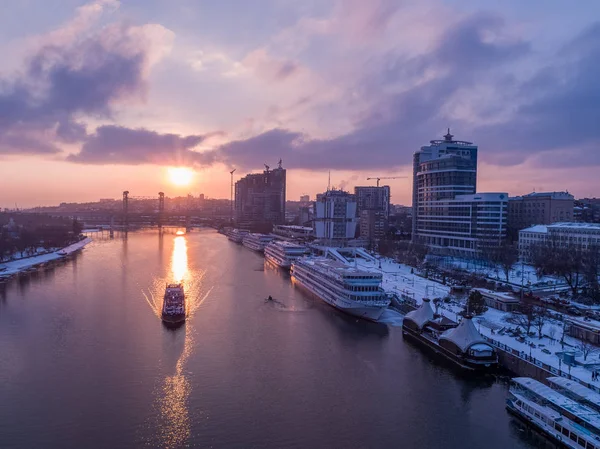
(354, 291)
(237, 235)
(257, 242)
(562, 419)
(283, 254)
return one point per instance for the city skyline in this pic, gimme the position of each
(104, 96)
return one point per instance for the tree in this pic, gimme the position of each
(77, 227)
(540, 316)
(587, 348)
(505, 256)
(525, 317)
(475, 304)
(556, 259)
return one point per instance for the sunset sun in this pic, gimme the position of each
(180, 176)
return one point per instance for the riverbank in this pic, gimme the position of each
(14, 267)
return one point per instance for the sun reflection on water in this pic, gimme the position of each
(179, 260)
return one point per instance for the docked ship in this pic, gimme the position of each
(562, 419)
(257, 242)
(283, 254)
(237, 235)
(356, 292)
(173, 310)
(459, 343)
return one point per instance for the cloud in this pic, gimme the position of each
(396, 124)
(119, 145)
(269, 67)
(76, 73)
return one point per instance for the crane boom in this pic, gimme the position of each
(379, 178)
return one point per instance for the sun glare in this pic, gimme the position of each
(180, 176)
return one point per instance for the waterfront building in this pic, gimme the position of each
(335, 216)
(539, 208)
(260, 198)
(448, 215)
(565, 235)
(499, 300)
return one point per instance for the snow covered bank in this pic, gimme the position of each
(16, 266)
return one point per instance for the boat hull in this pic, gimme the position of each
(277, 263)
(463, 363)
(535, 426)
(173, 319)
(366, 312)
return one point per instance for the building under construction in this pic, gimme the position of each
(260, 199)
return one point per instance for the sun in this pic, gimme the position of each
(180, 176)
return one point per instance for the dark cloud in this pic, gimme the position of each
(61, 83)
(387, 135)
(555, 113)
(118, 145)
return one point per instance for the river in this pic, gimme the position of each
(85, 361)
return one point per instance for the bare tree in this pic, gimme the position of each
(525, 317)
(505, 256)
(540, 316)
(587, 349)
(555, 259)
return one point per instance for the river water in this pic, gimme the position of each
(85, 361)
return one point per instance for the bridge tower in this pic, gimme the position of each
(126, 209)
(161, 208)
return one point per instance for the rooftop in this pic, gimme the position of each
(573, 225)
(542, 229)
(338, 267)
(576, 389)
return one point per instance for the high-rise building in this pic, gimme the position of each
(304, 198)
(373, 198)
(373, 225)
(260, 198)
(373, 210)
(539, 208)
(448, 215)
(335, 216)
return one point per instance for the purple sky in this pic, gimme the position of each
(103, 96)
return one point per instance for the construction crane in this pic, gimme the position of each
(379, 178)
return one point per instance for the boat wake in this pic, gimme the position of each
(392, 318)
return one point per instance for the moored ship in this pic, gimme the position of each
(174, 310)
(257, 242)
(459, 343)
(283, 254)
(237, 235)
(564, 420)
(356, 292)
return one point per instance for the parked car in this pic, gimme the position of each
(574, 311)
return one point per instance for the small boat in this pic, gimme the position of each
(173, 310)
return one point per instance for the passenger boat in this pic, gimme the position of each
(356, 292)
(283, 253)
(174, 307)
(459, 343)
(564, 420)
(237, 235)
(256, 242)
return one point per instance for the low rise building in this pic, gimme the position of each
(539, 208)
(583, 330)
(565, 235)
(499, 300)
(297, 232)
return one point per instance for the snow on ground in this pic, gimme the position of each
(398, 277)
(521, 273)
(16, 266)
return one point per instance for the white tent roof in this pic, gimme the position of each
(464, 335)
(422, 315)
